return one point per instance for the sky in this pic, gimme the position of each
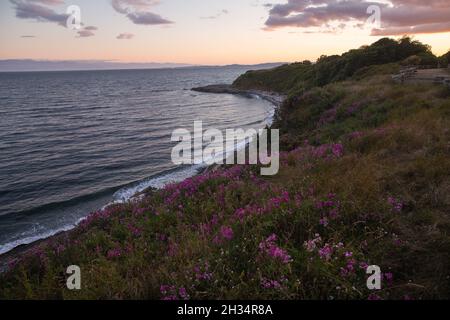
(213, 32)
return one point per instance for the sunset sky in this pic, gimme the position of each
(212, 31)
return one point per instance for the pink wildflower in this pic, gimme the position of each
(227, 232)
(114, 253)
(270, 248)
(397, 205)
(324, 222)
(311, 245)
(326, 252)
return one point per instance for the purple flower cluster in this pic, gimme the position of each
(190, 186)
(329, 208)
(134, 230)
(171, 293)
(272, 204)
(114, 253)
(206, 228)
(326, 252)
(270, 248)
(328, 151)
(349, 267)
(388, 277)
(337, 149)
(312, 245)
(202, 273)
(226, 233)
(100, 215)
(396, 204)
(273, 284)
(278, 201)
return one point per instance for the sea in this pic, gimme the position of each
(72, 142)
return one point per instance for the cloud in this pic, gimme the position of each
(35, 10)
(217, 15)
(90, 28)
(398, 17)
(125, 36)
(41, 11)
(27, 36)
(87, 32)
(138, 11)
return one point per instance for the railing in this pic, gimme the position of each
(404, 74)
(411, 74)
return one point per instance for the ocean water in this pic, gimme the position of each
(72, 142)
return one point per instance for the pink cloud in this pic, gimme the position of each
(138, 11)
(125, 36)
(397, 17)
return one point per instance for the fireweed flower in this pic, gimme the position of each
(170, 293)
(278, 201)
(337, 150)
(326, 252)
(273, 284)
(226, 233)
(270, 284)
(114, 253)
(397, 205)
(134, 230)
(183, 294)
(363, 265)
(389, 277)
(202, 273)
(311, 245)
(270, 248)
(324, 222)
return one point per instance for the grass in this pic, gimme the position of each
(364, 180)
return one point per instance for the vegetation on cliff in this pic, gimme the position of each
(306, 75)
(364, 180)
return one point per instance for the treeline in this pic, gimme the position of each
(328, 69)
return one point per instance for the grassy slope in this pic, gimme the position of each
(364, 180)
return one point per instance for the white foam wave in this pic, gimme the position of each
(31, 239)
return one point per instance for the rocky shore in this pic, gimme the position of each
(273, 97)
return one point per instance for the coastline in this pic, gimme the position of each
(273, 97)
(24, 249)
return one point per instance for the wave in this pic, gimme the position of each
(36, 237)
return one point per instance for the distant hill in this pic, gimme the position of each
(23, 65)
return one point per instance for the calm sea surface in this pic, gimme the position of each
(72, 142)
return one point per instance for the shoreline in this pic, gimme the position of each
(24, 249)
(273, 97)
